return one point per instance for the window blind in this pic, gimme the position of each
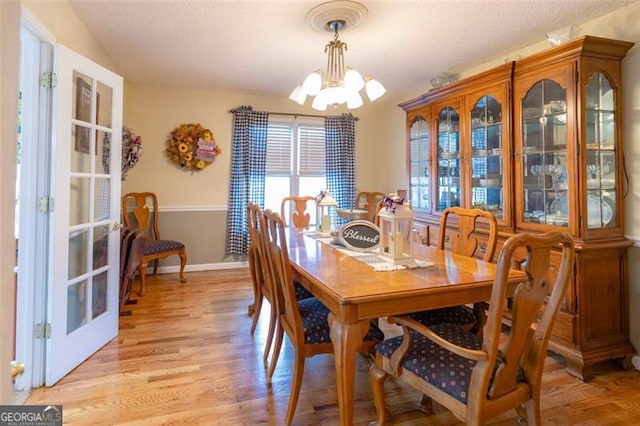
(311, 151)
(279, 144)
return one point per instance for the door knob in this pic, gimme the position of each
(17, 368)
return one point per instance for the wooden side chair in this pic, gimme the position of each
(144, 219)
(262, 286)
(303, 321)
(294, 210)
(463, 242)
(369, 201)
(130, 258)
(479, 378)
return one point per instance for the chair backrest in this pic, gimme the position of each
(520, 356)
(140, 212)
(257, 255)
(281, 277)
(464, 242)
(294, 210)
(369, 201)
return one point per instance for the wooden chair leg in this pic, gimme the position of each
(532, 408)
(377, 378)
(183, 262)
(296, 384)
(277, 345)
(272, 326)
(155, 266)
(256, 312)
(143, 274)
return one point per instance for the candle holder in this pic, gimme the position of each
(326, 213)
(396, 227)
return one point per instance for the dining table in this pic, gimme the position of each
(356, 293)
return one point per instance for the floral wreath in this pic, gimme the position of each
(131, 150)
(192, 147)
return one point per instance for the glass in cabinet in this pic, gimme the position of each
(449, 160)
(544, 154)
(419, 163)
(600, 133)
(487, 156)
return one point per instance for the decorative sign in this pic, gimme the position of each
(360, 235)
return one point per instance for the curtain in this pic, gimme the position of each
(340, 159)
(247, 174)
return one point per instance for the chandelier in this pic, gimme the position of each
(339, 84)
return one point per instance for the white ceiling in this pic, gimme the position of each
(266, 47)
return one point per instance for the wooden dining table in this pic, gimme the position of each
(356, 294)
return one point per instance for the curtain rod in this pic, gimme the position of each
(291, 114)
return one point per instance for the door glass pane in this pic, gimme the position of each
(78, 201)
(100, 246)
(102, 199)
(82, 87)
(103, 152)
(486, 155)
(76, 306)
(104, 99)
(601, 155)
(99, 294)
(544, 135)
(78, 253)
(80, 160)
(448, 179)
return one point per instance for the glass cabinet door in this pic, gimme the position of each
(448, 178)
(420, 163)
(544, 154)
(600, 134)
(487, 156)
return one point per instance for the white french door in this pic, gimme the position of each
(82, 308)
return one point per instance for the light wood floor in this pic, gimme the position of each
(185, 356)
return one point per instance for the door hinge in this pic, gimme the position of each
(46, 204)
(42, 331)
(48, 80)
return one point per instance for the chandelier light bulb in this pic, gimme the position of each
(354, 100)
(336, 86)
(353, 80)
(374, 89)
(313, 83)
(298, 95)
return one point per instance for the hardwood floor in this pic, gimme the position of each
(185, 356)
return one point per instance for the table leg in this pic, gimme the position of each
(346, 338)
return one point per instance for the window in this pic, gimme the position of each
(295, 163)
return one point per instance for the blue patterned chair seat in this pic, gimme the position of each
(301, 292)
(161, 246)
(436, 365)
(459, 315)
(316, 328)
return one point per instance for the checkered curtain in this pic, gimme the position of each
(248, 164)
(340, 162)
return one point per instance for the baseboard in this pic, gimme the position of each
(636, 362)
(200, 267)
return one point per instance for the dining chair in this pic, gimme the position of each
(478, 378)
(140, 212)
(303, 321)
(261, 279)
(463, 241)
(294, 210)
(131, 249)
(369, 201)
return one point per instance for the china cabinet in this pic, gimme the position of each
(539, 143)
